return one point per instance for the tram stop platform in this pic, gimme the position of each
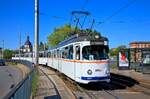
(51, 86)
(138, 76)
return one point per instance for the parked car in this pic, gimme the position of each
(2, 63)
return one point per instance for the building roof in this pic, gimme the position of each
(28, 42)
(140, 42)
(22, 47)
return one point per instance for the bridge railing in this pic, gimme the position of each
(23, 89)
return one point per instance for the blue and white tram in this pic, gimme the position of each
(82, 58)
(43, 57)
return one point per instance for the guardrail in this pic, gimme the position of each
(23, 89)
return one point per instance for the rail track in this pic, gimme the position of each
(97, 90)
(107, 88)
(94, 94)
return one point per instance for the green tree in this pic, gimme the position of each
(8, 53)
(59, 34)
(43, 46)
(114, 51)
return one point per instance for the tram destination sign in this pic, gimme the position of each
(97, 43)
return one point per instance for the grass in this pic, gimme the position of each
(11, 63)
(35, 80)
(114, 65)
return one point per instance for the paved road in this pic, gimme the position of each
(9, 78)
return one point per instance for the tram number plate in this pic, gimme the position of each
(98, 70)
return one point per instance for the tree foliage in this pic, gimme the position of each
(43, 46)
(59, 34)
(114, 51)
(8, 53)
(62, 33)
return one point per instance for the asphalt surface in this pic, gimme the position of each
(10, 76)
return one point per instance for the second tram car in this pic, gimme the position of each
(81, 57)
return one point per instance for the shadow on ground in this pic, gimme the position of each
(52, 97)
(117, 82)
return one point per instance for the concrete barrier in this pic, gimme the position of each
(23, 89)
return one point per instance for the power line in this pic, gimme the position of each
(85, 3)
(119, 10)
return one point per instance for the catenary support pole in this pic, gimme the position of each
(36, 53)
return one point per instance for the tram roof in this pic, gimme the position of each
(80, 37)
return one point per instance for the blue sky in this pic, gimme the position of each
(130, 24)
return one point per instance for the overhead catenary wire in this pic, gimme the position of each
(85, 3)
(118, 11)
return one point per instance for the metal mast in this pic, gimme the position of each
(36, 32)
(2, 49)
(19, 45)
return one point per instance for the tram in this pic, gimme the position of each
(82, 57)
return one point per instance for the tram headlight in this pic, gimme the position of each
(97, 36)
(107, 72)
(89, 72)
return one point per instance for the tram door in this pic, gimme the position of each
(77, 64)
(60, 61)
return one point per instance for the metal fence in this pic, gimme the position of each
(23, 89)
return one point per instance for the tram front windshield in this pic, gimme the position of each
(95, 52)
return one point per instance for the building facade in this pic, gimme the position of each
(27, 47)
(140, 44)
(136, 50)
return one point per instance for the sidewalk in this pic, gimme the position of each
(135, 75)
(46, 90)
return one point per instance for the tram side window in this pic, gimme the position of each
(40, 54)
(45, 54)
(70, 52)
(77, 52)
(65, 52)
(49, 54)
(58, 54)
(55, 54)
